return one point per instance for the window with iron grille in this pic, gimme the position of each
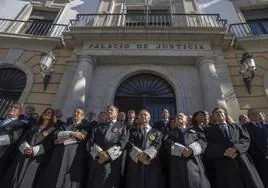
(12, 83)
(148, 18)
(40, 22)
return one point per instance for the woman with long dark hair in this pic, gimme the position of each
(34, 151)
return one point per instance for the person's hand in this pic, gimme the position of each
(103, 156)
(78, 135)
(145, 159)
(231, 153)
(57, 141)
(187, 152)
(100, 161)
(28, 151)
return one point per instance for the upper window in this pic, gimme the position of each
(257, 20)
(148, 17)
(40, 22)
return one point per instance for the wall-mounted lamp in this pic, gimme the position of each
(247, 69)
(45, 63)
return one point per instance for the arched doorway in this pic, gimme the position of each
(146, 91)
(12, 83)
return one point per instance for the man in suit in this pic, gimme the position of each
(121, 117)
(163, 124)
(11, 131)
(130, 118)
(258, 149)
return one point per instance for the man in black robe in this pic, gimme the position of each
(258, 149)
(11, 131)
(227, 147)
(143, 165)
(106, 146)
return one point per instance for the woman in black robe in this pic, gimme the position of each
(227, 147)
(144, 169)
(200, 123)
(185, 146)
(67, 165)
(33, 154)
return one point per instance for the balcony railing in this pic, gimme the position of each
(242, 30)
(31, 28)
(149, 20)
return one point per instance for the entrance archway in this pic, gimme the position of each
(146, 91)
(12, 84)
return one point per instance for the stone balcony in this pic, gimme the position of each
(146, 27)
(31, 31)
(252, 33)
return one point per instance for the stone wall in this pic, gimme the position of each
(28, 62)
(258, 98)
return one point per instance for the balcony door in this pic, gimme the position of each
(146, 91)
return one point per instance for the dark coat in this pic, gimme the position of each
(15, 130)
(66, 167)
(138, 174)
(186, 172)
(24, 170)
(258, 149)
(231, 173)
(108, 138)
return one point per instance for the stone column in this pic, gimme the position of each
(77, 92)
(210, 84)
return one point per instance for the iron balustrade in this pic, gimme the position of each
(32, 28)
(149, 20)
(250, 29)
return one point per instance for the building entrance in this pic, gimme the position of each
(146, 91)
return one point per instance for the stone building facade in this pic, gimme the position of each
(181, 55)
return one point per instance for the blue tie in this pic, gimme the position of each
(225, 130)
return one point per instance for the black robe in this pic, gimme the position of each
(258, 149)
(186, 172)
(66, 168)
(138, 174)
(14, 130)
(163, 156)
(231, 173)
(112, 139)
(24, 170)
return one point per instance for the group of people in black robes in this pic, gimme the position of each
(110, 153)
